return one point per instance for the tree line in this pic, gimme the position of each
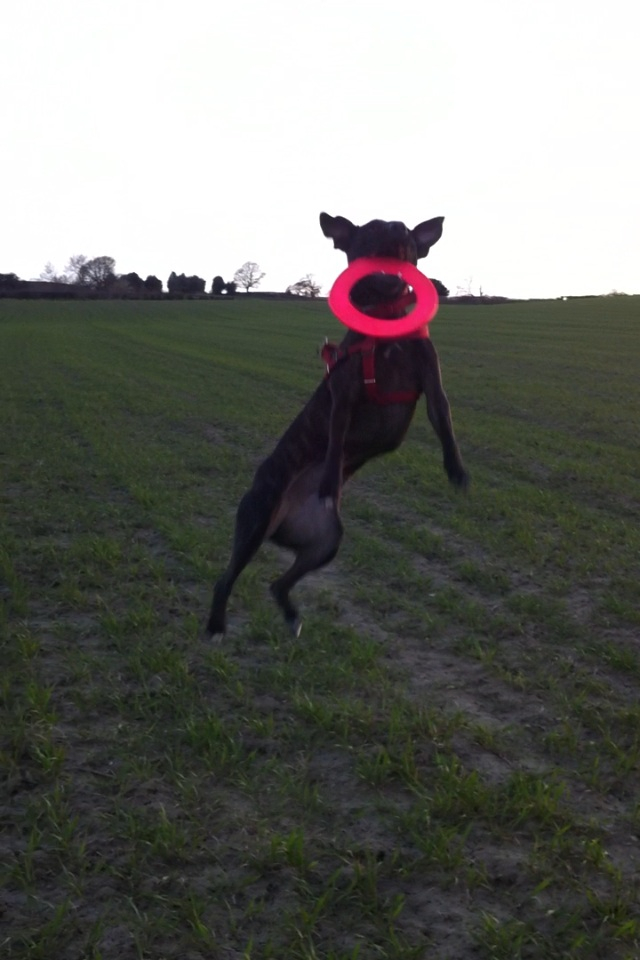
(98, 277)
(83, 276)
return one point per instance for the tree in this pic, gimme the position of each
(306, 287)
(248, 275)
(467, 289)
(231, 287)
(195, 284)
(152, 285)
(73, 269)
(49, 274)
(134, 282)
(185, 285)
(97, 273)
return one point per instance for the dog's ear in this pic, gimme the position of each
(338, 229)
(426, 234)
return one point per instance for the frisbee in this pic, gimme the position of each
(425, 294)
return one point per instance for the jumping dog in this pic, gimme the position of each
(360, 410)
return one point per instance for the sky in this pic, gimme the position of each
(194, 136)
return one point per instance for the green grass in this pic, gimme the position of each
(446, 763)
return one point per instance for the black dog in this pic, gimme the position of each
(362, 409)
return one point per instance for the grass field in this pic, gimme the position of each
(446, 764)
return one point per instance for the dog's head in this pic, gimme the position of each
(380, 238)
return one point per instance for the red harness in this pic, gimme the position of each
(332, 354)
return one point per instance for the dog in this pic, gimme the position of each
(295, 496)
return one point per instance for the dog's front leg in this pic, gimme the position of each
(344, 387)
(439, 413)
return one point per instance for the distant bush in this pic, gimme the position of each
(10, 283)
(441, 290)
(471, 300)
(306, 287)
(219, 287)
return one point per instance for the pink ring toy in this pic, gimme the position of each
(426, 298)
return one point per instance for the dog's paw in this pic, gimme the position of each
(328, 502)
(459, 478)
(215, 629)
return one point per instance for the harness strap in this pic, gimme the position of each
(332, 355)
(373, 391)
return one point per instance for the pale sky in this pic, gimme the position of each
(193, 136)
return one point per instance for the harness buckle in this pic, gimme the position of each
(330, 354)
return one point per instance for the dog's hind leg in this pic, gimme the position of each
(252, 522)
(323, 522)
